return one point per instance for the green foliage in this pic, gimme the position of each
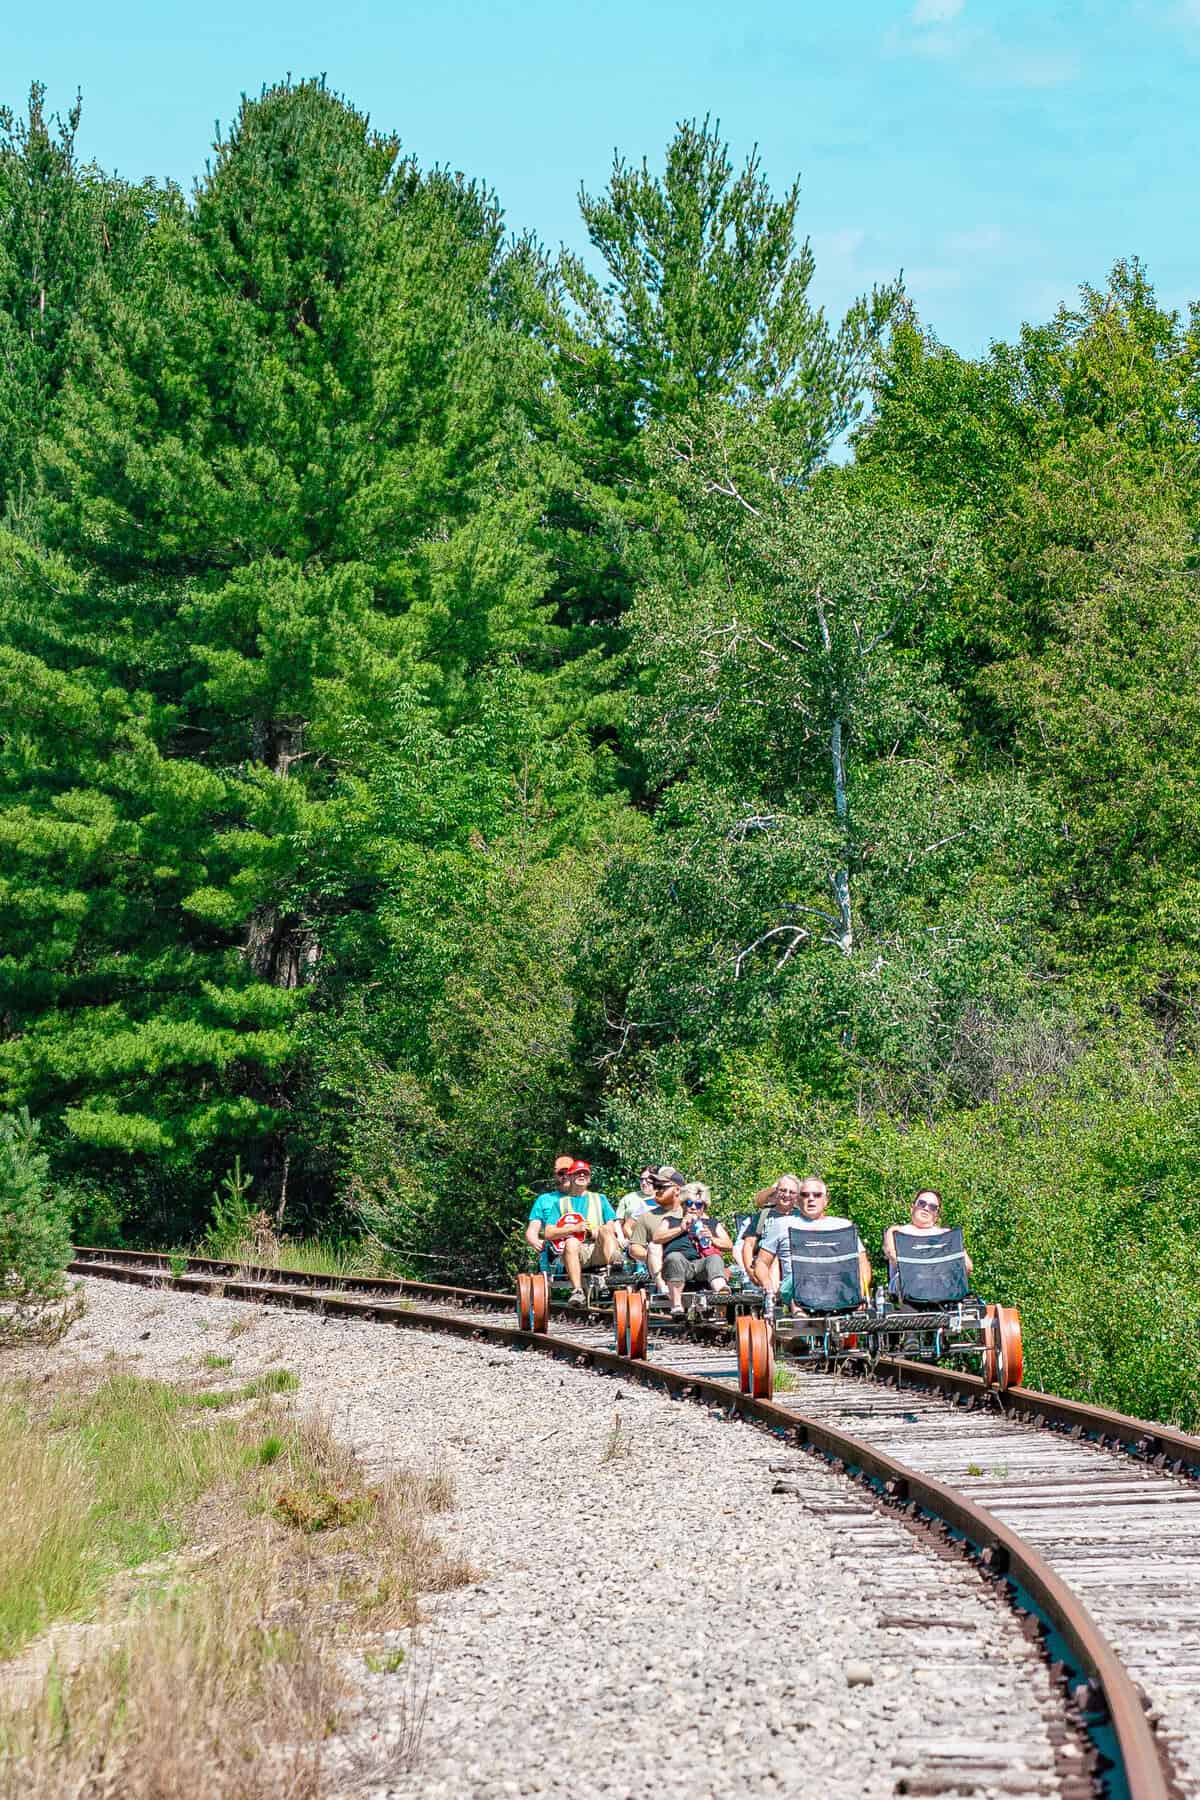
(231, 1222)
(1076, 451)
(707, 295)
(446, 694)
(66, 230)
(1076, 1190)
(298, 506)
(825, 876)
(35, 1232)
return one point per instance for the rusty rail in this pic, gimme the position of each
(1000, 1550)
(1162, 1445)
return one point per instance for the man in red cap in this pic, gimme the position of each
(577, 1225)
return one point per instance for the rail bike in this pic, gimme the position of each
(929, 1316)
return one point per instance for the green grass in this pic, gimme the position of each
(146, 1463)
(274, 1381)
(45, 1529)
(210, 1360)
(318, 1256)
(104, 1483)
(97, 1487)
(268, 1451)
(307, 1256)
(389, 1662)
(212, 1679)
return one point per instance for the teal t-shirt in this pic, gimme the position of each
(549, 1208)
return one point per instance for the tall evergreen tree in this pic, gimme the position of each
(294, 490)
(64, 225)
(702, 300)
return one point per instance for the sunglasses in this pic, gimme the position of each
(812, 1193)
(694, 1205)
(927, 1206)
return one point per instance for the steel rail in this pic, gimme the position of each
(1164, 1446)
(1000, 1550)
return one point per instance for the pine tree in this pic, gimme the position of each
(291, 491)
(64, 226)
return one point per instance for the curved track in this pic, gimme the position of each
(1091, 1519)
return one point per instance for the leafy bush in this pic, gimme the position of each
(1077, 1195)
(35, 1234)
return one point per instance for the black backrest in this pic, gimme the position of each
(825, 1275)
(742, 1222)
(932, 1265)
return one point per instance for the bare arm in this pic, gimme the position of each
(889, 1243)
(533, 1234)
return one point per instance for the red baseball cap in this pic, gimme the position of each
(580, 1168)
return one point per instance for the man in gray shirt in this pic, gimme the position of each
(775, 1255)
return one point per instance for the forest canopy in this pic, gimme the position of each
(460, 701)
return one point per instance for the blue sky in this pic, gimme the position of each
(999, 151)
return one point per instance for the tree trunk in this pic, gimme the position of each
(280, 947)
(840, 878)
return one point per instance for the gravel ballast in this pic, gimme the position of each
(651, 1613)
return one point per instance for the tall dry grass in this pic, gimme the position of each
(45, 1529)
(215, 1692)
(218, 1677)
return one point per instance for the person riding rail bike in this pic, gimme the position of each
(697, 1252)
(774, 1265)
(925, 1218)
(577, 1226)
(646, 1233)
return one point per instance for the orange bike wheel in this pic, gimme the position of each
(539, 1310)
(1012, 1356)
(524, 1302)
(991, 1347)
(756, 1357)
(621, 1320)
(639, 1320)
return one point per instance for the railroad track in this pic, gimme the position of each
(1089, 1519)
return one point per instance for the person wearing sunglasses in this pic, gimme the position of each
(649, 1231)
(925, 1214)
(781, 1200)
(696, 1251)
(748, 1232)
(638, 1200)
(578, 1226)
(774, 1265)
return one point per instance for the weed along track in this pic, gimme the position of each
(1088, 1523)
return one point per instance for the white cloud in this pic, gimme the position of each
(936, 31)
(1039, 69)
(936, 12)
(932, 281)
(981, 240)
(838, 246)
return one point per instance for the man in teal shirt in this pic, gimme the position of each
(577, 1225)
